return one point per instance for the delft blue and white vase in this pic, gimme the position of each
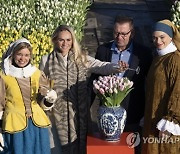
(111, 122)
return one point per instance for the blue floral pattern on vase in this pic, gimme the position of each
(111, 122)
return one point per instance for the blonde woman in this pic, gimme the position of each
(69, 67)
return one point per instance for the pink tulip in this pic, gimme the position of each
(121, 87)
(101, 90)
(110, 91)
(115, 90)
(96, 86)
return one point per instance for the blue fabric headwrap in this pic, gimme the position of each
(164, 28)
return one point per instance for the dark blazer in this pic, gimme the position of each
(134, 103)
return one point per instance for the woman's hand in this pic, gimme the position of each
(123, 66)
(51, 96)
(164, 135)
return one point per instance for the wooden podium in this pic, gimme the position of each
(97, 145)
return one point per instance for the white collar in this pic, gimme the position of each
(170, 48)
(24, 72)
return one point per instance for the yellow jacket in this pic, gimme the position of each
(14, 117)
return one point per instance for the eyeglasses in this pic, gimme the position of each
(122, 34)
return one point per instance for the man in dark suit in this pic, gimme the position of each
(124, 48)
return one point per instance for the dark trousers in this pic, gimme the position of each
(71, 148)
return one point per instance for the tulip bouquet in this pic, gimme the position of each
(112, 89)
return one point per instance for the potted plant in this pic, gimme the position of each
(111, 91)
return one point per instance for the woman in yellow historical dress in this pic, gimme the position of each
(24, 123)
(162, 113)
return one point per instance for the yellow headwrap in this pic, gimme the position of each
(176, 32)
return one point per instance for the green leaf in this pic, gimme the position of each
(109, 101)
